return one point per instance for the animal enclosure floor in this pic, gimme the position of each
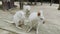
(52, 25)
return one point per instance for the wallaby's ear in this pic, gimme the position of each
(38, 13)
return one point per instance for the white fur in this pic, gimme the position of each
(21, 15)
(35, 20)
(26, 7)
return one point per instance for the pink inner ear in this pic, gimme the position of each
(38, 14)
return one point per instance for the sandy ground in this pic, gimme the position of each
(52, 16)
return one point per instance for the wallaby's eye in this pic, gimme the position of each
(41, 18)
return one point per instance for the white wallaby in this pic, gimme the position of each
(20, 16)
(34, 20)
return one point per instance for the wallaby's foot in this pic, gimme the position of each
(28, 30)
(18, 27)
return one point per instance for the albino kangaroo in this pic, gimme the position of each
(35, 18)
(20, 16)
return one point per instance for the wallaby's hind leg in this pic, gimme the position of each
(29, 29)
(17, 25)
